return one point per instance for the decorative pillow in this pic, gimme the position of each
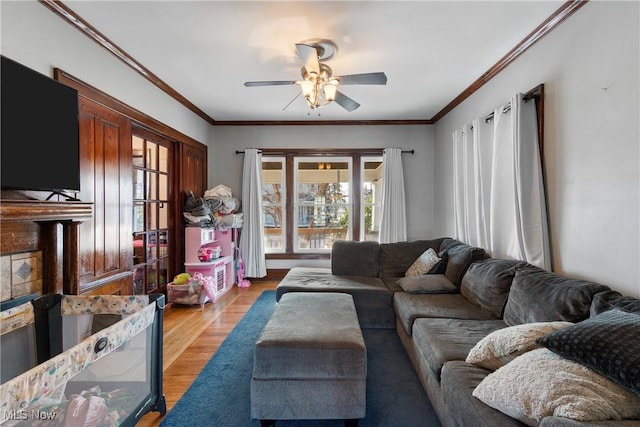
(427, 284)
(441, 266)
(540, 384)
(502, 346)
(428, 259)
(608, 343)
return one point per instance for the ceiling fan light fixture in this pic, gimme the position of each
(308, 88)
(330, 92)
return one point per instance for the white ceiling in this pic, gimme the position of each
(431, 51)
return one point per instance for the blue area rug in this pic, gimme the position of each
(220, 397)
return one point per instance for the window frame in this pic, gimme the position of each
(356, 192)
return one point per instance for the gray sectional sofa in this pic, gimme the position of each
(442, 315)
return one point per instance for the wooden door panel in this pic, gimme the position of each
(104, 240)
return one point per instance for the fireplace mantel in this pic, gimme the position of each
(37, 211)
(49, 226)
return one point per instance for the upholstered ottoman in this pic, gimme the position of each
(310, 361)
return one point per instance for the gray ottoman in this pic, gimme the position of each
(310, 361)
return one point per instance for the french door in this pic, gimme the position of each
(152, 210)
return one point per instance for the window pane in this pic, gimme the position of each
(163, 215)
(162, 244)
(137, 144)
(323, 202)
(152, 246)
(163, 182)
(152, 182)
(138, 249)
(371, 198)
(152, 274)
(273, 204)
(152, 155)
(138, 216)
(164, 159)
(138, 184)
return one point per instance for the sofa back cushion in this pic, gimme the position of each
(608, 300)
(396, 258)
(539, 296)
(351, 258)
(460, 258)
(487, 283)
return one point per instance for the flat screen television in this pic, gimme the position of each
(39, 145)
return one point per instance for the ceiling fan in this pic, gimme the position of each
(318, 85)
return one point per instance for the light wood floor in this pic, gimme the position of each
(192, 336)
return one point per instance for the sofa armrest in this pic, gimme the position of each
(351, 258)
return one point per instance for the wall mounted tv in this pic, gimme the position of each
(39, 145)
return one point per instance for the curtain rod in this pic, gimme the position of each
(403, 152)
(526, 98)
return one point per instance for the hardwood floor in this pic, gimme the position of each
(192, 336)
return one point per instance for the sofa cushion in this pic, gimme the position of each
(351, 258)
(427, 284)
(540, 384)
(460, 258)
(487, 282)
(409, 307)
(395, 258)
(608, 300)
(458, 380)
(441, 266)
(423, 263)
(539, 296)
(502, 346)
(608, 343)
(372, 298)
(441, 340)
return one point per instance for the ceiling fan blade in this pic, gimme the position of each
(270, 83)
(364, 79)
(291, 102)
(309, 56)
(345, 102)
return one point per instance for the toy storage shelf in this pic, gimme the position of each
(217, 269)
(221, 269)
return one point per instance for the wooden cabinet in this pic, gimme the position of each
(105, 248)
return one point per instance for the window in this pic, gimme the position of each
(322, 202)
(273, 204)
(310, 200)
(371, 198)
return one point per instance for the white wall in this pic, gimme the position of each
(36, 37)
(590, 68)
(225, 167)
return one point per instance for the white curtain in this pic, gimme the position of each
(393, 224)
(470, 183)
(518, 209)
(252, 235)
(499, 201)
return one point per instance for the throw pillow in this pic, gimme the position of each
(608, 343)
(540, 384)
(441, 266)
(502, 346)
(427, 284)
(428, 259)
